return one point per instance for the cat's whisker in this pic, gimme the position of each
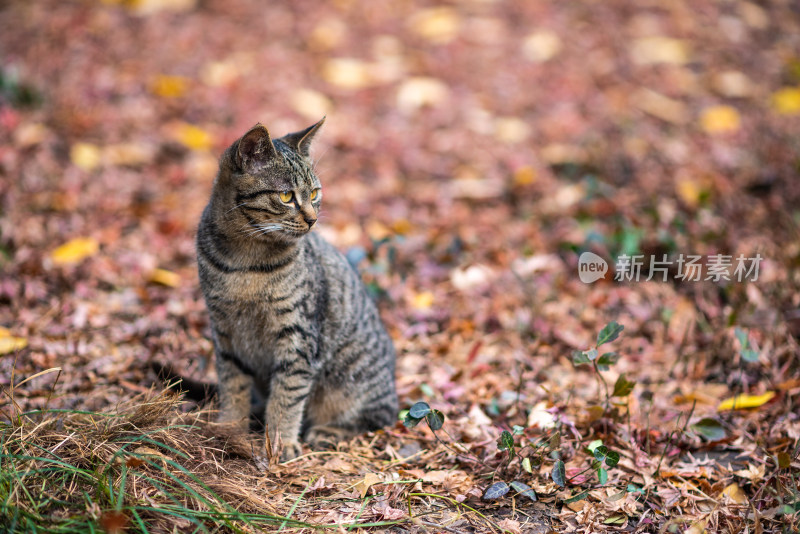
(238, 206)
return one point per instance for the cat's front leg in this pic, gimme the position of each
(290, 387)
(235, 387)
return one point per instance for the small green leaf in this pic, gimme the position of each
(602, 475)
(710, 429)
(633, 488)
(604, 454)
(623, 387)
(495, 491)
(419, 410)
(591, 354)
(506, 443)
(518, 430)
(594, 444)
(523, 489)
(579, 357)
(577, 497)
(609, 333)
(749, 355)
(411, 422)
(559, 474)
(426, 390)
(741, 335)
(608, 359)
(435, 419)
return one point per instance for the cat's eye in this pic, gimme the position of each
(286, 196)
(314, 195)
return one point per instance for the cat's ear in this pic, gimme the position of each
(255, 149)
(301, 141)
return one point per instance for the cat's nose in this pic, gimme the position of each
(309, 221)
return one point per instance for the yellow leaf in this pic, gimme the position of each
(720, 119)
(165, 278)
(85, 155)
(169, 86)
(422, 301)
(401, 226)
(698, 527)
(741, 402)
(786, 101)
(438, 25)
(193, 137)
(9, 343)
(362, 486)
(735, 493)
(689, 190)
(524, 176)
(74, 251)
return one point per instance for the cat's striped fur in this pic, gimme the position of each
(291, 319)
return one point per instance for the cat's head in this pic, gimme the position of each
(271, 185)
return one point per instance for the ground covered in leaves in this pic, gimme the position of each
(472, 152)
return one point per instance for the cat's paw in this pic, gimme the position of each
(327, 437)
(290, 451)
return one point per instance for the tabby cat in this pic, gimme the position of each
(292, 322)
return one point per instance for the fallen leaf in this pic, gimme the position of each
(418, 92)
(541, 46)
(74, 251)
(735, 493)
(369, 480)
(10, 343)
(165, 278)
(690, 190)
(422, 301)
(220, 73)
(741, 402)
(150, 7)
(347, 73)
(167, 86)
(698, 527)
(511, 129)
(753, 473)
(439, 25)
(192, 137)
(659, 49)
(786, 101)
(85, 156)
(720, 119)
(127, 154)
(660, 106)
(523, 176)
(733, 84)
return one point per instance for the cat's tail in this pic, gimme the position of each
(200, 392)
